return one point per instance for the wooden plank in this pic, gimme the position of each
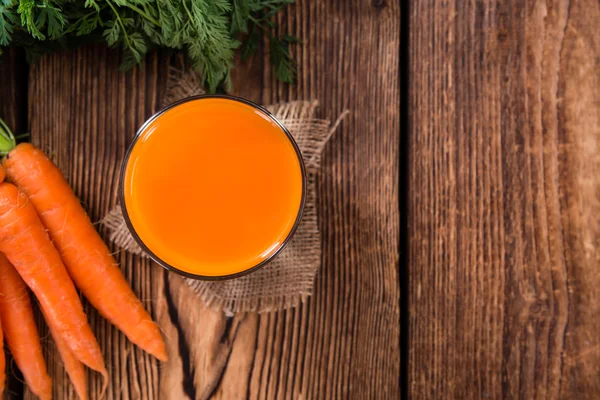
(13, 110)
(504, 132)
(13, 90)
(342, 343)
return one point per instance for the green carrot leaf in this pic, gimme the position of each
(209, 31)
(284, 65)
(8, 20)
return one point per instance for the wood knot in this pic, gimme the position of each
(537, 307)
(379, 4)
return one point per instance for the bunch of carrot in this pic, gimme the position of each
(47, 243)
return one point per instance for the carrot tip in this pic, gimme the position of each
(104, 374)
(161, 356)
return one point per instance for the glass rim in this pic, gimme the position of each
(170, 267)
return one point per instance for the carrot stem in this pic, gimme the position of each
(7, 139)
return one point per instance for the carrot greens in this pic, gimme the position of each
(209, 31)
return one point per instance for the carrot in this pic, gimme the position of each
(27, 246)
(2, 364)
(72, 365)
(21, 331)
(87, 258)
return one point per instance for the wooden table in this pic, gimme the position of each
(466, 178)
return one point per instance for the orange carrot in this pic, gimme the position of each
(2, 364)
(72, 365)
(86, 256)
(27, 246)
(21, 331)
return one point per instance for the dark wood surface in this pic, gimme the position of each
(504, 195)
(466, 174)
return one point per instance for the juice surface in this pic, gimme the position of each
(213, 186)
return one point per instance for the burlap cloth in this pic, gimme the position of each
(287, 280)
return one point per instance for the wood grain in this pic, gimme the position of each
(504, 111)
(344, 342)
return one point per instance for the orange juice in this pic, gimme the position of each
(213, 186)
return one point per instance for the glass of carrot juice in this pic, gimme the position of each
(213, 187)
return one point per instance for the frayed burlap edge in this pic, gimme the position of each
(288, 280)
